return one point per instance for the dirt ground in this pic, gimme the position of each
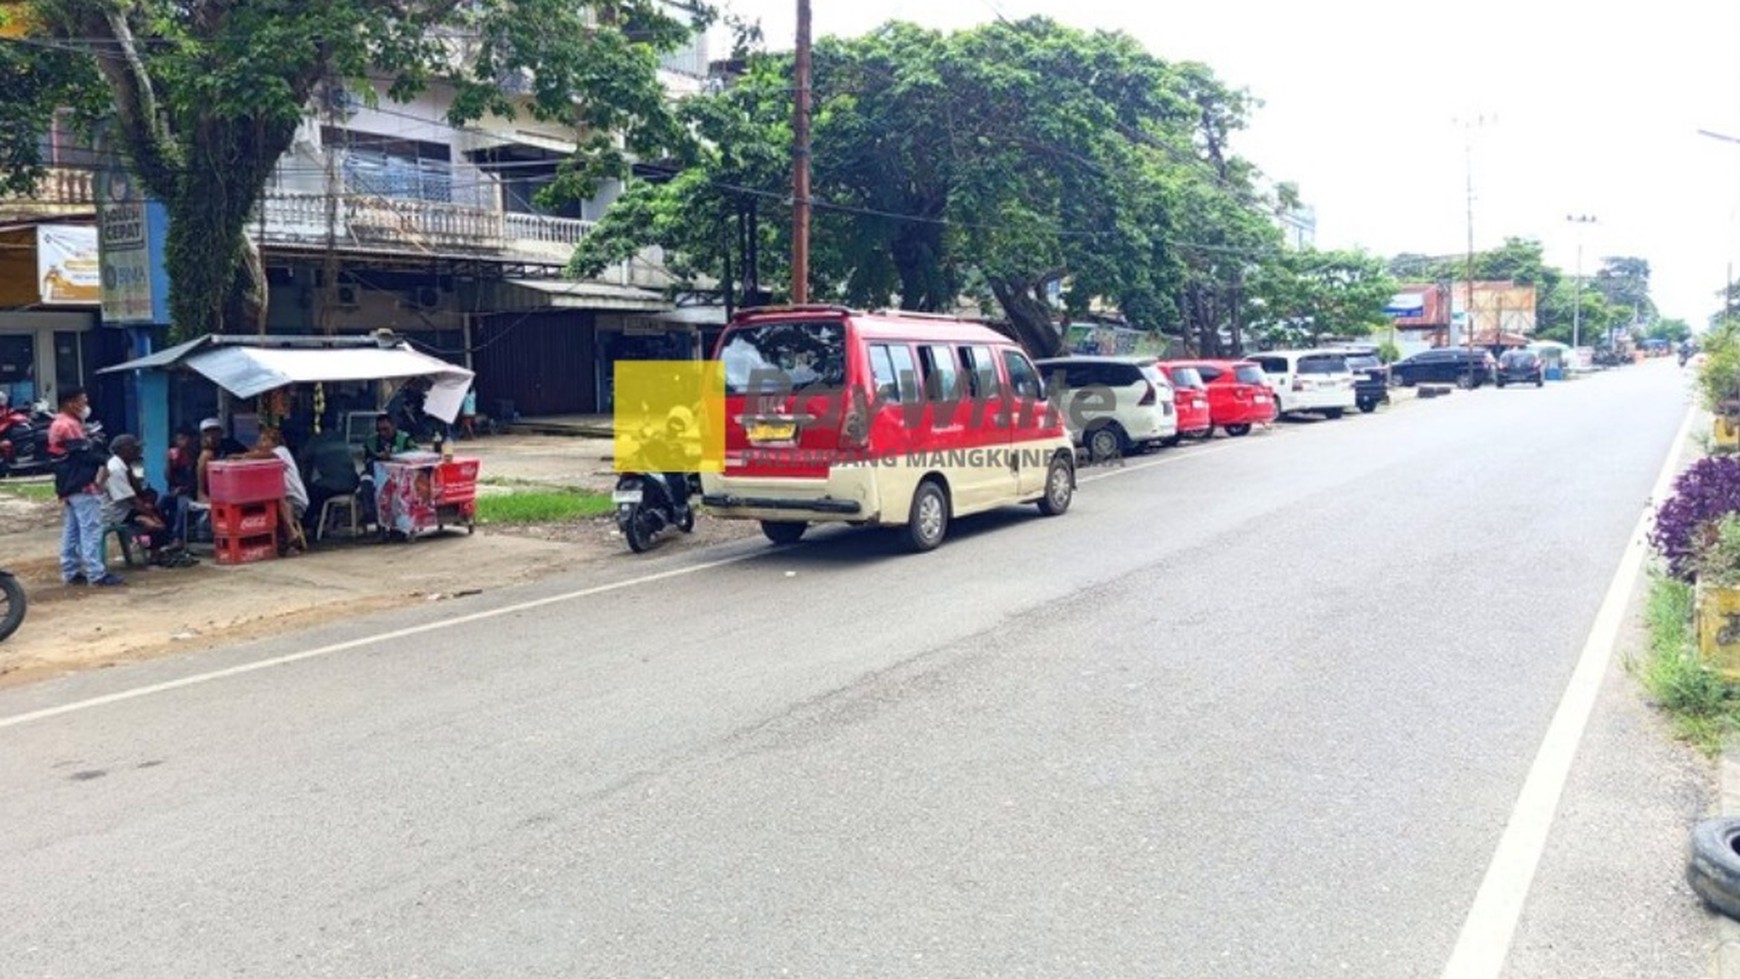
(164, 611)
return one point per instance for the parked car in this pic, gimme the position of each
(1521, 367)
(1111, 405)
(1308, 380)
(1195, 417)
(1371, 378)
(1238, 396)
(833, 415)
(1446, 365)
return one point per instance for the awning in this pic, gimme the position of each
(570, 294)
(247, 369)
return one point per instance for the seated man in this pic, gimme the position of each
(129, 503)
(330, 471)
(294, 505)
(388, 442)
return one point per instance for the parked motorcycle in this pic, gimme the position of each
(23, 446)
(647, 502)
(12, 604)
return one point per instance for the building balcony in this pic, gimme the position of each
(371, 224)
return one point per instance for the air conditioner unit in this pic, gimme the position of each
(347, 297)
(426, 297)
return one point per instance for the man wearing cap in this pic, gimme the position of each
(227, 448)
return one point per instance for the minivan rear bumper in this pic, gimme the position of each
(848, 493)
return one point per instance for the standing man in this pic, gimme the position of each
(79, 474)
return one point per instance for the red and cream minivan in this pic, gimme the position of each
(881, 419)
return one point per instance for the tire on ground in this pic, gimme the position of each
(1713, 868)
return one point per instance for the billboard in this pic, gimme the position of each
(131, 230)
(67, 268)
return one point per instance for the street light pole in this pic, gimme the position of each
(1577, 291)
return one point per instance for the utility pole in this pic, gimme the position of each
(1468, 126)
(800, 203)
(1577, 291)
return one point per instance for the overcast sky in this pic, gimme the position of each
(1589, 113)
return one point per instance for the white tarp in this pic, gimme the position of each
(250, 371)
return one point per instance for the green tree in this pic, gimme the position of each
(1039, 168)
(1308, 295)
(207, 96)
(1671, 330)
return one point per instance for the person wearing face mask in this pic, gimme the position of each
(79, 474)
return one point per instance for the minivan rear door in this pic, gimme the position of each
(787, 394)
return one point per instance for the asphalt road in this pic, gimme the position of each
(1256, 708)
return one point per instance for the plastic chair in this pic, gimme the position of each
(123, 535)
(345, 506)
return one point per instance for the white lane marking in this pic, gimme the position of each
(1484, 944)
(1150, 464)
(339, 647)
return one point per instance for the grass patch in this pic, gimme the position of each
(1704, 707)
(42, 490)
(542, 506)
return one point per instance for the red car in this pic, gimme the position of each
(1237, 396)
(1194, 418)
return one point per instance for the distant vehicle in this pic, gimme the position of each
(881, 419)
(1521, 367)
(1308, 380)
(1238, 395)
(1195, 416)
(1446, 365)
(1371, 378)
(1112, 404)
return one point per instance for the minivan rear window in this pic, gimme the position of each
(809, 355)
(1248, 374)
(1322, 364)
(1187, 377)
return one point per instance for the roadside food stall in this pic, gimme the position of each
(414, 491)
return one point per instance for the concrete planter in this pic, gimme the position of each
(1726, 432)
(1718, 629)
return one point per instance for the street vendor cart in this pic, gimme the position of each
(418, 492)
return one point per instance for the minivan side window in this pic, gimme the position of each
(882, 369)
(1274, 365)
(1022, 377)
(1209, 373)
(942, 372)
(905, 373)
(981, 371)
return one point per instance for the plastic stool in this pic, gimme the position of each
(347, 504)
(123, 535)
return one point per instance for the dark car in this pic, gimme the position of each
(1521, 367)
(1446, 365)
(1371, 380)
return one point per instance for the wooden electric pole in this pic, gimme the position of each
(800, 202)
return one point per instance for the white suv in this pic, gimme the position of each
(1112, 404)
(1309, 380)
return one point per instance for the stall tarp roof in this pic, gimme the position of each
(247, 369)
(571, 294)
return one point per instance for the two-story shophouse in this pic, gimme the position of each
(385, 215)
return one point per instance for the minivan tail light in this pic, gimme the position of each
(1149, 396)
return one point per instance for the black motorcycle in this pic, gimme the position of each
(648, 503)
(12, 604)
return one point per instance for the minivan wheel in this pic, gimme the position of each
(1367, 406)
(1464, 381)
(1332, 413)
(928, 522)
(1105, 442)
(1237, 430)
(1059, 488)
(784, 531)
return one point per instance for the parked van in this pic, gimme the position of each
(1308, 380)
(1111, 405)
(884, 418)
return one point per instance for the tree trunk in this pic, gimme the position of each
(1030, 316)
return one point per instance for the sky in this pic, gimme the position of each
(1368, 107)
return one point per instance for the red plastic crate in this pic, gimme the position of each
(245, 550)
(246, 481)
(244, 519)
(456, 482)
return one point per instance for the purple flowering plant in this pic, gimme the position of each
(1705, 493)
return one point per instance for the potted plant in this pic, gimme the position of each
(1719, 384)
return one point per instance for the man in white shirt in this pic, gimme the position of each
(295, 491)
(124, 504)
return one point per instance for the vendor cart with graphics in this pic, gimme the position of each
(421, 492)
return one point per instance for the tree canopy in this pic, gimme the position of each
(1043, 170)
(205, 97)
